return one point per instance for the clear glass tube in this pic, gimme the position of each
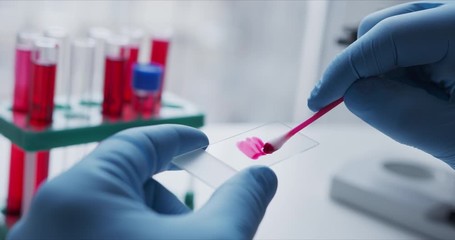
(117, 52)
(82, 69)
(62, 38)
(135, 35)
(100, 35)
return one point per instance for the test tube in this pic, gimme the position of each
(42, 168)
(117, 52)
(135, 37)
(100, 35)
(62, 38)
(22, 70)
(16, 180)
(44, 65)
(159, 55)
(146, 84)
(81, 68)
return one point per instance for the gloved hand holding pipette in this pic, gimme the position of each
(110, 195)
(399, 76)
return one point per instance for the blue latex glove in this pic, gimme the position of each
(399, 76)
(110, 195)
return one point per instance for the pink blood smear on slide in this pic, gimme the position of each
(252, 147)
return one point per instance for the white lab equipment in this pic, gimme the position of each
(409, 193)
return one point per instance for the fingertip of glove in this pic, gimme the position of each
(312, 105)
(266, 178)
(313, 102)
(197, 134)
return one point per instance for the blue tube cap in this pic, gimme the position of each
(147, 77)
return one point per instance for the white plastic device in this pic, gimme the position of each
(404, 192)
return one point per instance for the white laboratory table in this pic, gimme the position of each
(302, 208)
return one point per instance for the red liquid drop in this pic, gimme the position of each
(252, 147)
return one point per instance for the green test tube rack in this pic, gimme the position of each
(82, 122)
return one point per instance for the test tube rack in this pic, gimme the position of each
(82, 122)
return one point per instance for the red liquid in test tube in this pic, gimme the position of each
(132, 59)
(21, 108)
(113, 85)
(22, 74)
(158, 56)
(16, 180)
(17, 170)
(40, 107)
(114, 76)
(44, 60)
(22, 70)
(135, 37)
(42, 97)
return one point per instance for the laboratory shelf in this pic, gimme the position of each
(83, 123)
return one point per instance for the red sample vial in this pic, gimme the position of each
(146, 85)
(158, 56)
(135, 37)
(44, 66)
(117, 53)
(22, 70)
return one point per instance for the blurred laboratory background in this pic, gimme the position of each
(238, 61)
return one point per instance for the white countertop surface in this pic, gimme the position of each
(302, 208)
